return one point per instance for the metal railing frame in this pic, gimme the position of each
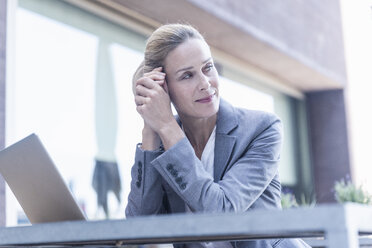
(332, 226)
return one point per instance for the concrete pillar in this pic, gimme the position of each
(328, 141)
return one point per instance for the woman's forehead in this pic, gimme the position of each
(191, 53)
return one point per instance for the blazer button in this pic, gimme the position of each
(183, 186)
(140, 164)
(138, 184)
(174, 173)
(179, 180)
(169, 167)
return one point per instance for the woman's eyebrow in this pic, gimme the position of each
(205, 61)
(190, 67)
(184, 69)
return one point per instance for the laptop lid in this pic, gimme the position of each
(36, 182)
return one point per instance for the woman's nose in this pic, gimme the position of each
(204, 83)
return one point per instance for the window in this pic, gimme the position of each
(78, 105)
(73, 88)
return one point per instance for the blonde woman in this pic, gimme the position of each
(211, 157)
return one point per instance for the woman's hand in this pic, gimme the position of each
(153, 104)
(152, 99)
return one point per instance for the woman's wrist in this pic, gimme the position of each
(150, 139)
(171, 134)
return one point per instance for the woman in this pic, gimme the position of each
(212, 157)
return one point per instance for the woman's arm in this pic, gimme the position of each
(250, 180)
(146, 193)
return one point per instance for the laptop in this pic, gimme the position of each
(36, 183)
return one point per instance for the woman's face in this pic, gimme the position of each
(192, 79)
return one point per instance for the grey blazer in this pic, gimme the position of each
(246, 156)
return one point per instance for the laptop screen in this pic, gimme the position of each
(36, 182)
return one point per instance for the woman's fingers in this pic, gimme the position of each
(150, 89)
(152, 99)
(140, 100)
(149, 86)
(143, 91)
(157, 69)
(151, 79)
(150, 83)
(155, 74)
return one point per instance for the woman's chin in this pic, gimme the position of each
(206, 113)
(209, 109)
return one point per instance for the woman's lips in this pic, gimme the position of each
(205, 99)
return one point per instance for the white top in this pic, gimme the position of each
(207, 160)
(207, 157)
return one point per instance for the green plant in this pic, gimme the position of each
(346, 191)
(288, 200)
(307, 201)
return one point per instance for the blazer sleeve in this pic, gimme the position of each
(146, 192)
(241, 185)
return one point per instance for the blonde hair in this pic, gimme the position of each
(162, 41)
(165, 39)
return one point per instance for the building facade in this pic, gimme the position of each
(289, 54)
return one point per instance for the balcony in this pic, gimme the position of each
(332, 226)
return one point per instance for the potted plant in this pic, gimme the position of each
(346, 191)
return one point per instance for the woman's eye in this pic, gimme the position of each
(186, 76)
(208, 67)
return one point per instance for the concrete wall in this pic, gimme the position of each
(309, 31)
(3, 7)
(299, 42)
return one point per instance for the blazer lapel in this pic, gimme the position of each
(224, 144)
(222, 152)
